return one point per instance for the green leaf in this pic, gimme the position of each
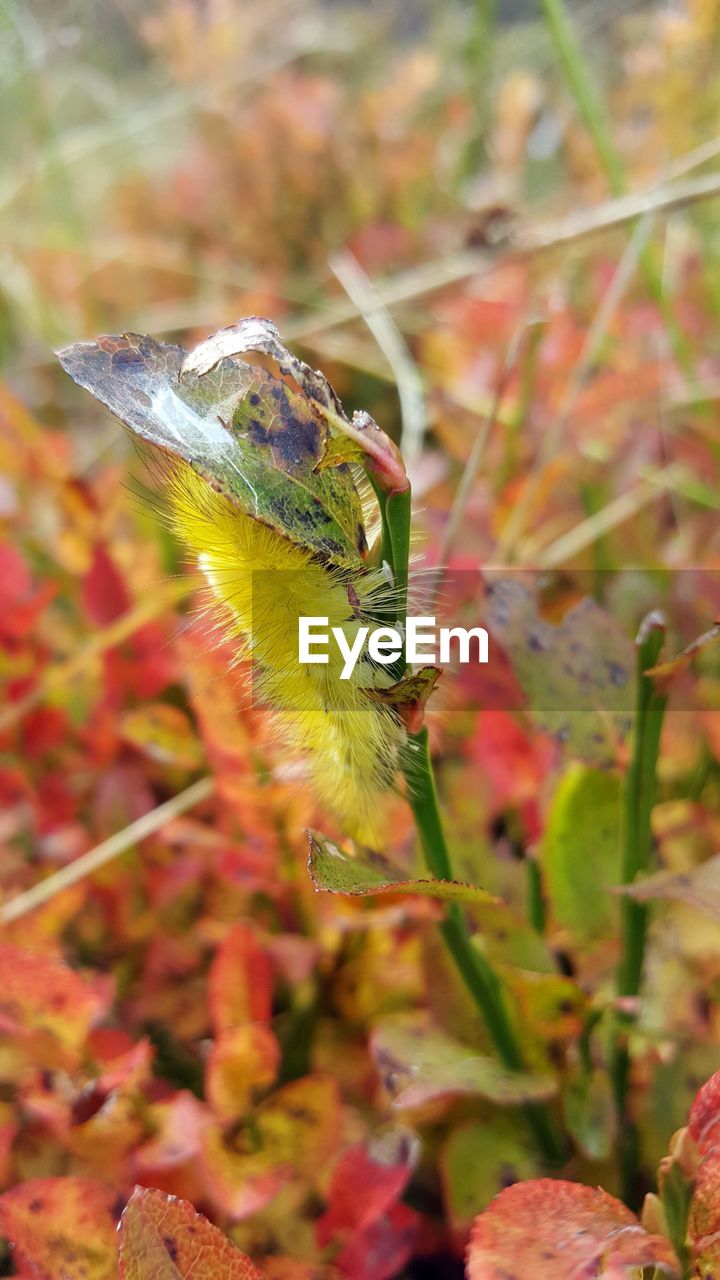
(334, 871)
(676, 1193)
(478, 1160)
(581, 851)
(577, 675)
(590, 1114)
(418, 1063)
(246, 432)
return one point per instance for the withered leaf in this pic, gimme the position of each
(363, 441)
(246, 432)
(666, 673)
(577, 676)
(409, 696)
(419, 1063)
(699, 887)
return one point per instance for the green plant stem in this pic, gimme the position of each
(584, 92)
(395, 514)
(594, 117)
(535, 898)
(478, 975)
(640, 786)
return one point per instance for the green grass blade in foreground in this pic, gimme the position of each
(640, 786)
(478, 975)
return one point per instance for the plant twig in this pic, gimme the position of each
(104, 852)
(472, 466)
(439, 273)
(562, 549)
(544, 237)
(363, 293)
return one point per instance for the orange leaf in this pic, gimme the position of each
(62, 1227)
(292, 1135)
(243, 1060)
(240, 981)
(45, 1003)
(559, 1231)
(238, 1183)
(164, 734)
(162, 1238)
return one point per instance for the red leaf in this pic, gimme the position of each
(20, 605)
(62, 1227)
(561, 1231)
(383, 1248)
(361, 1190)
(704, 1218)
(704, 1118)
(240, 981)
(514, 762)
(43, 730)
(104, 592)
(178, 1128)
(162, 1238)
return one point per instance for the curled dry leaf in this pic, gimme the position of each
(665, 674)
(409, 696)
(247, 433)
(334, 871)
(359, 440)
(562, 1231)
(254, 333)
(162, 1238)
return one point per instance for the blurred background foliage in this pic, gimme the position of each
(168, 167)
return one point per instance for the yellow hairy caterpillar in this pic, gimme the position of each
(266, 584)
(262, 489)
